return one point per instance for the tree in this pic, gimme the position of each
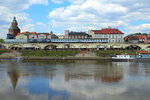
(1, 41)
(27, 34)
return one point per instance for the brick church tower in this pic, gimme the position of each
(13, 30)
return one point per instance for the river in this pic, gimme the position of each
(74, 80)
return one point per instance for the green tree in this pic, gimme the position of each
(1, 41)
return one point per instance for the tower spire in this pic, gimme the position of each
(13, 30)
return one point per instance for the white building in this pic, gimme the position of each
(33, 35)
(110, 34)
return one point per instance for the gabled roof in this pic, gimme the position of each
(108, 31)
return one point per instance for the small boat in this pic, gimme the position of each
(123, 57)
(143, 55)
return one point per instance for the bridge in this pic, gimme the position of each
(50, 46)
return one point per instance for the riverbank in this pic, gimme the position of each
(66, 58)
(63, 55)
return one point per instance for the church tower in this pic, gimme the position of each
(13, 30)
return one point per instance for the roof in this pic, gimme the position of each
(30, 33)
(108, 31)
(137, 37)
(14, 20)
(148, 37)
(141, 37)
(25, 33)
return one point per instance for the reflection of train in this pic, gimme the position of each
(56, 41)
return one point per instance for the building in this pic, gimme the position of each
(61, 36)
(13, 30)
(111, 34)
(33, 35)
(76, 35)
(137, 38)
(53, 36)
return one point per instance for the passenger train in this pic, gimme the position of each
(55, 40)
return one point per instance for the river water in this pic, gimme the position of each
(74, 80)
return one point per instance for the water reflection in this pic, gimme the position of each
(74, 80)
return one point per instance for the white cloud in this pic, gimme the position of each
(28, 27)
(71, 1)
(143, 28)
(57, 1)
(11, 8)
(99, 13)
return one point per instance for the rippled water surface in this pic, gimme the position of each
(74, 80)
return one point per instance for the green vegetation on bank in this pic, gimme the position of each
(4, 51)
(49, 53)
(109, 53)
(1, 41)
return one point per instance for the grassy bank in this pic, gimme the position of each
(109, 53)
(4, 51)
(50, 53)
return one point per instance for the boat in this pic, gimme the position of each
(143, 55)
(123, 57)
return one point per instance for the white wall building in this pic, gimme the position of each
(33, 35)
(110, 34)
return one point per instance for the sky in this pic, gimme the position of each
(129, 16)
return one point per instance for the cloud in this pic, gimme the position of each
(57, 1)
(100, 13)
(71, 1)
(11, 8)
(143, 28)
(82, 85)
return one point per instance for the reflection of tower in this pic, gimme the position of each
(14, 76)
(13, 30)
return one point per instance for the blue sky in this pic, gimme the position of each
(76, 15)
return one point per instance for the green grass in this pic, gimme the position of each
(50, 53)
(4, 51)
(109, 53)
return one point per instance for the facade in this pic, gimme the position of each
(13, 30)
(110, 34)
(33, 35)
(76, 35)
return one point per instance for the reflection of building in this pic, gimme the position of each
(13, 30)
(113, 35)
(76, 35)
(14, 76)
(111, 75)
(107, 75)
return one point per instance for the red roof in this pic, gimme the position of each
(148, 37)
(26, 32)
(108, 31)
(141, 37)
